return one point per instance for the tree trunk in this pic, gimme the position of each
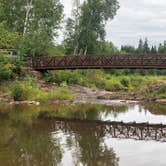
(28, 9)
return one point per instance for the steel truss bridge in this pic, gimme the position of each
(122, 61)
(136, 131)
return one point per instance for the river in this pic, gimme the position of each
(83, 135)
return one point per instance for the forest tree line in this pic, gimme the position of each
(32, 26)
(144, 48)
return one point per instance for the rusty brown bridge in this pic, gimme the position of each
(121, 61)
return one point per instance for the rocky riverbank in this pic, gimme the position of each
(84, 94)
(90, 96)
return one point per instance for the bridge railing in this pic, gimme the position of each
(100, 61)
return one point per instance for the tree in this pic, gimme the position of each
(153, 50)
(106, 47)
(91, 28)
(146, 48)
(140, 46)
(27, 17)
(160, 49)
(36, 20)
(35, 44)
(70, 42)
(32, 15)
(128, 49)
(8, 39)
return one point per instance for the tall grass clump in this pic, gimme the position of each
(158, 92)
(28, 90)
(24, 90)
(63, 92)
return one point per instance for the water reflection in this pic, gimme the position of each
(137, 131)
(139, 114)
(30, 145)
(28, 137)
(21, 145)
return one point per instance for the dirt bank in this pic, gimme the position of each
(84, 94)
(91, 96)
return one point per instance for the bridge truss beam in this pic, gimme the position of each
(123, 61)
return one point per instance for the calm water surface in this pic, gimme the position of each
(28, 138)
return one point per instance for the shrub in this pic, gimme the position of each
(9, 67)
(162, 89)
(63, 92)
(24, 90)
(125, 81)
(113, 85)
(17, 91)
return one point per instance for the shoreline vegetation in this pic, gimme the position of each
(20, 85)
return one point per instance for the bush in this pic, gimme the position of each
(25, 90)
(63, 92)
(9, 67)
(125, 81)
(18, 91)
(28, 90)
(113, 85)
(162, 89)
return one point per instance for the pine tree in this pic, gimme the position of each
(146, 48)
(153, 50)
(140, 47)
(160, 49)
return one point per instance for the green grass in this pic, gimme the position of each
(102, 80)
(27, 89)
(159, 92)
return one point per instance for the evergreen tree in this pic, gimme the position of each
(140, 47)
(153, 50)
(146, 48)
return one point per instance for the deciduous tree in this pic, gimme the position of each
(91, 28)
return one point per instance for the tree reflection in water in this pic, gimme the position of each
(87, 142)
(94, 152)
(28, 139)
(32, 144)
(20, 145)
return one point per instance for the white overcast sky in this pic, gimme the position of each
(134, 20)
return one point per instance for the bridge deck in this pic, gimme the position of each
(100, 61)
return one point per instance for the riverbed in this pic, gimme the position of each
(83, 135)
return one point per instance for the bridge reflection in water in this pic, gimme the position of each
(136, 131)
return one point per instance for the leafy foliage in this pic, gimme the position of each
(37, 21)
(43, 15)
(9, 67)
(8, 39)
(84, 37)
(35, 44)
